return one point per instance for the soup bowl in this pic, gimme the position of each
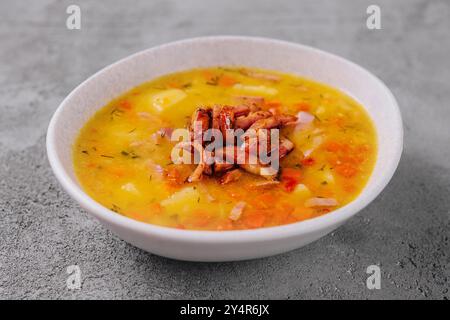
(81, 104)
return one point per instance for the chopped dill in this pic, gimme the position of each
(213, 81)
(115, 208)
(116, 113)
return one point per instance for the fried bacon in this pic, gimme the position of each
(274, 122)
(201, 118)
(227, 161)
(245, 122)
(230, 176)
(285, 146)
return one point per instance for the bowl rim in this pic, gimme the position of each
(323, 222)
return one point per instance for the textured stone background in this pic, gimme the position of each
(42, 231)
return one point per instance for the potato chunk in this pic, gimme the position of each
(166, 99)
(182, 201)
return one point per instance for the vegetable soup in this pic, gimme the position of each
(325, 146)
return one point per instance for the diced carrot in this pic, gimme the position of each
(226, 81)
(346, 170)
(290, 178)
(303, 213)
(254, 219)
(280, 215)
(200, 218)
(338, 121)
(208, 75)
(225, 225)
(266, 197)
(136, 215)
(155, 208)
(117, 171)
(291, 173)
(125, 104)
(348, 187)
(173, 85)
(332, 146)
(173, 176)
(308, 161)
(302, 106)
(289, 185)
(263, 201)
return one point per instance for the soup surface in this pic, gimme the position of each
(122, 156)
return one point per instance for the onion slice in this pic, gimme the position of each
(236, 212)
(303, 120)
(321, 202)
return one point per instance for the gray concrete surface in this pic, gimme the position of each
(42, 231)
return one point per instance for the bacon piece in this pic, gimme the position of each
(241, 110)
(274, 122)
(200, 117)
(216, 117)
(285, 146)
(230, 176)
(245, 122)
(225, 158)
(222, 167)
(203, 166)
(226, 119)
(265, 184)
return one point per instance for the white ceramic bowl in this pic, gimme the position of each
(308, 62)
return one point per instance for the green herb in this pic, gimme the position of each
(106, 156)
(324, 183)
(213, 81)
(116, 113)
(85, 152)
(131, 131)
(130, 154)
(115, 208)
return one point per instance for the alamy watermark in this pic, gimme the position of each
(73, 21)
(374, 280)
(73, 282)
(373, 21)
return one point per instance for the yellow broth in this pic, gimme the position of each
(123, 164)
